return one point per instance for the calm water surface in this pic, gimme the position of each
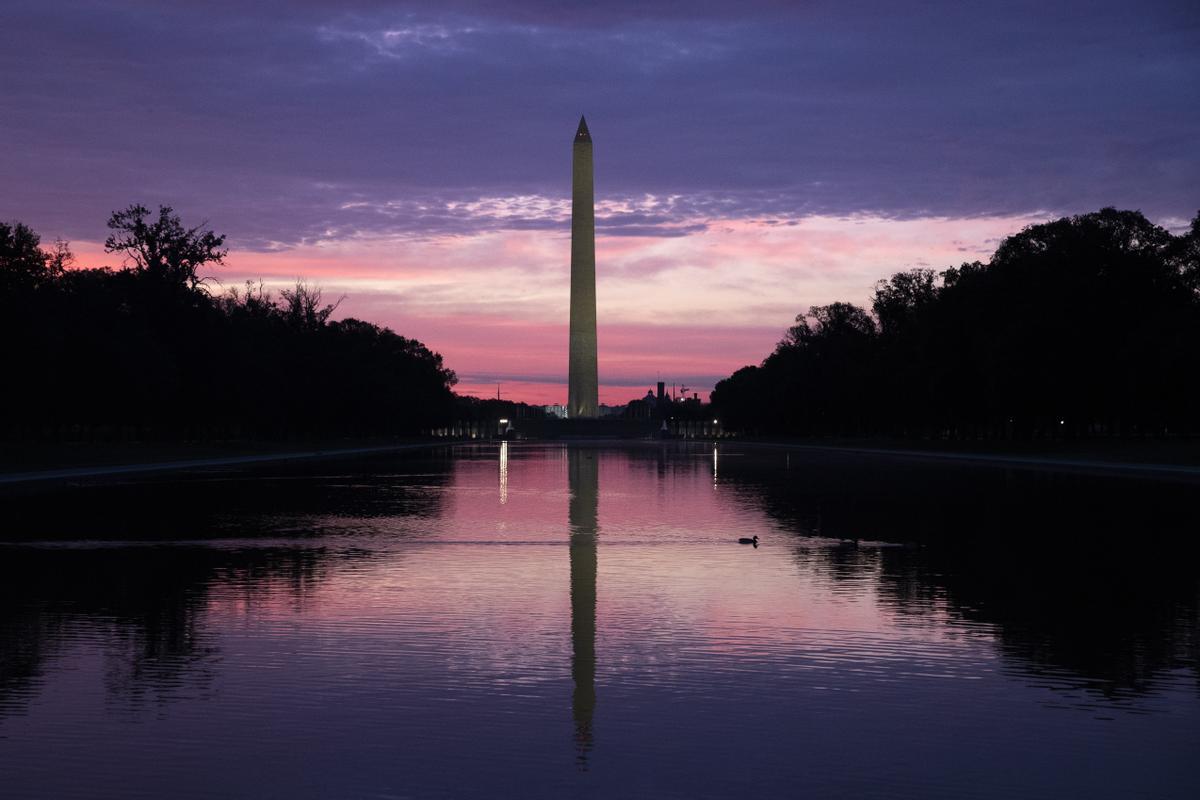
(551, 621)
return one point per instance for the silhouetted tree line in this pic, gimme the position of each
(149, 351)
(1085, 326)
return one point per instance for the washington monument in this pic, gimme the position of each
(583, 386)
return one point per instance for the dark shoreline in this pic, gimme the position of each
(1182, 462)
(1153, 459)
(92, 462)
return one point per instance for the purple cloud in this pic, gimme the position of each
(290, 122)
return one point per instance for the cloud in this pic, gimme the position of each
(375, 118)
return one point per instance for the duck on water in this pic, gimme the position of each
(744, 540)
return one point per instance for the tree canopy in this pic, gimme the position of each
(163, 248)
(1083, 326)
(146, 351)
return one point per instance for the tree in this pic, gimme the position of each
(741, 399)
(22, 262)
(900, 300)
(842, 320)
(1185, 255)
(164, 248)
(907, 345)
(833, 322)
(302, 306)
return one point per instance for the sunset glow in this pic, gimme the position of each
(684, 309)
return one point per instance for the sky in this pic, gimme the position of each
(752, 159)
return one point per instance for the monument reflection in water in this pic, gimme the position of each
(583, 516)
(583, 513)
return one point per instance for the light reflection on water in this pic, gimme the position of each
(539, 621)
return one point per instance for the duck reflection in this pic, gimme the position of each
(582, 512)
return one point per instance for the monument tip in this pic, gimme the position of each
(582, 134)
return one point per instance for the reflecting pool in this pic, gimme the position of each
(552, 621)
